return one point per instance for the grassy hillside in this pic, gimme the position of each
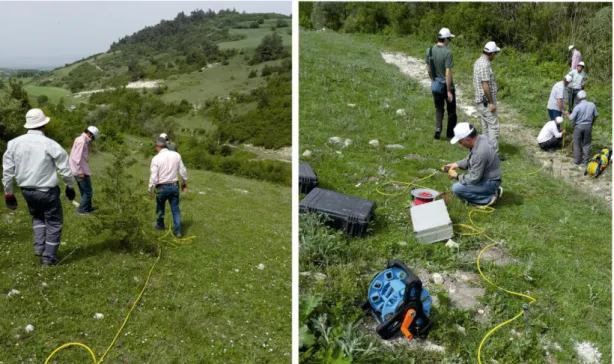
(207, 301)
(555, 239)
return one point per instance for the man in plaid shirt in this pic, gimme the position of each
(486, 94)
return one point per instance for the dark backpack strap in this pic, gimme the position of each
(432, 64)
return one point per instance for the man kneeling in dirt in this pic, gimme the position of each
(481, 185)
(549, 138)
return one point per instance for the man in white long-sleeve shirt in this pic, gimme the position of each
(550, 136)
(164, 169)
(32, 161)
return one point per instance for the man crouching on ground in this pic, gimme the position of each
(481, 185)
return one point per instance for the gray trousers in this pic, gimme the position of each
(47, 221)
(490, 125)
(582, 143)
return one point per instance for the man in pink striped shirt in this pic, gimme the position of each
(576, 57)
(79, 166)
(164, 169)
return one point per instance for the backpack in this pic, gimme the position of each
(438, 85)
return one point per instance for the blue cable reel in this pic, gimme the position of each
(398, 303)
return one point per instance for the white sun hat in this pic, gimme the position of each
(35, 118)
(461, 130)
(582, 95)
(491, 47)
(558, 119)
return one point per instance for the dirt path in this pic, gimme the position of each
(563, 167)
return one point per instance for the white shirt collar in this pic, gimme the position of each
(37, 132)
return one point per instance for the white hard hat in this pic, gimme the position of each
(558, 119)
(570, 47)
(581, 64)
(35, 118)
(163, 135)
(94, 130)
(567, 78)
(582, 95)
(491, 47)
(461, 130)
(445, 33)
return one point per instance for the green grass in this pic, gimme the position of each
(53, 93)
(221, 80)
(254, 36)
(559, 236)
(206, 301)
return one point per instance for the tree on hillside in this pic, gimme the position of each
(271, 48)
(42, 100)
(18, 93)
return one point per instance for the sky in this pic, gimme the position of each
(49, 34)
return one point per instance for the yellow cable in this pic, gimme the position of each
(406, 184)
(120, 329)
(476, 230)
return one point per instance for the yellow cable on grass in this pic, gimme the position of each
(406, 184)
(94, 360)
(476, 230)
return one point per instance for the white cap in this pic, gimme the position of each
(567, 78)
(491, 47)
(558, 119)
(461, 130)
(445, 33)
(582, 95)
(570, 47)
(35, 118)
(94, 130)
(581, 64)
(163, 135)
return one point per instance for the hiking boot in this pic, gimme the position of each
(437, 134)
(49, 262)
(502, 158)
(155, 224)
(38, 253)
(178, 235)
(500, 192)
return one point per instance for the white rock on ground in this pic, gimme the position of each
(347, 143)
(452, 244)
(395, 146)
(352, 105)
(334, 140)
(481, 312)
(437, 278)
(98, 316)
(401, 112)
(13, 292)
(29, 328)
(261, 266)
(587, 353)
(307, 153)
(374, 143)
(461, 329)
(402, 243)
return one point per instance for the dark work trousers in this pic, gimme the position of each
(85, 189)
(551, 144)
(440, 100)
(582, 143)
(47, 221)
(552, 114)
(572, 94)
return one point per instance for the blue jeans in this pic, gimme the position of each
(85, 189)
(170, 193)
(478, 194)
(554, 113)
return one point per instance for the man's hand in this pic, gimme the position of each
(450, 96)
(493, 108)
(566, 113)
(563, 131)
(452, 174)
(81, 176)
(11, 202)
(70, 193)
(451, 166)
(183, 187)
